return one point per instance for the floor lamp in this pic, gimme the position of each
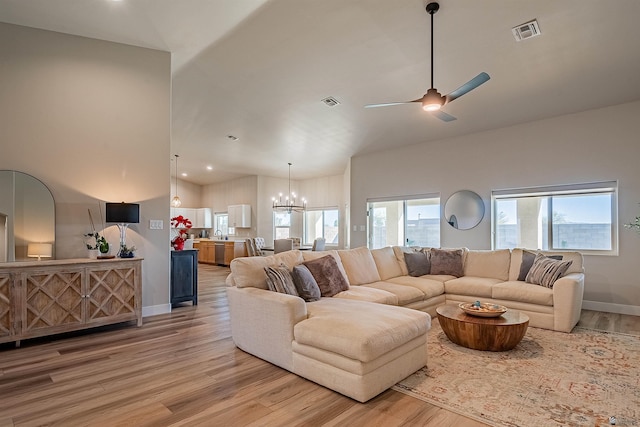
(122, 214)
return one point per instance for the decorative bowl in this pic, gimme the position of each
(484, 310)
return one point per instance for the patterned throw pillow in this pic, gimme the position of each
(447, 261)
(279, 280)
(418, 263)
(545, 271)
(527, 262)
(328, 276)
(306, 285)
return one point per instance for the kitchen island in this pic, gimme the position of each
(220, 252)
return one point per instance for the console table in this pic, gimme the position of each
(50, 297)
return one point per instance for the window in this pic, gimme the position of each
(281, 225)
(569, 217)
(321, 223)
(222, 225)
(413, 222)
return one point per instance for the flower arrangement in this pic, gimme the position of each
(100, 243)
(182, 225)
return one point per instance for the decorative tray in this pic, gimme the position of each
(482, 309)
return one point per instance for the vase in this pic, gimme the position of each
(178, 245)
(93, 253)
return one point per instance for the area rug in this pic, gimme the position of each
(549, 379)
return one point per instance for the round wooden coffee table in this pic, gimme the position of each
(482, 333)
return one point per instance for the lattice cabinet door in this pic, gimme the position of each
(114, 293)
(53, 301)
(6, 312)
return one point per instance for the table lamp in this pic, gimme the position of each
(122, 214)
(39, 250)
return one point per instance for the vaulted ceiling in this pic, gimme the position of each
(258, 70)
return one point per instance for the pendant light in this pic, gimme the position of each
(289, 204)
(176, 202)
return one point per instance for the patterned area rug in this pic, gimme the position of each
(549, 379)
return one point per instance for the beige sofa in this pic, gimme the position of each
(365, 339)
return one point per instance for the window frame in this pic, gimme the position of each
(593, 188)
(305, 237)
(404, 200)
(276, 227)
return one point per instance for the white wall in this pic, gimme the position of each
(596, 145)
(91, 120)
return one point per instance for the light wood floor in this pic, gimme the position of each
(183, 369)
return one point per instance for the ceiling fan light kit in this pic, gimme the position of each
(433, 101)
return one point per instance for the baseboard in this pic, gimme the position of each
(610, 307)
(153, 310)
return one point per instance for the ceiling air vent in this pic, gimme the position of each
(526, 30)
(331, 101)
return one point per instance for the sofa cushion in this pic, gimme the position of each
(386, 263)
(576, 257)
(279, 280)
(306, 285)
(523, 292)
(311, 255)
(359, 330)
(528, 258)
(359, 266)
(483, 263)
(406, 294)
(430, 287)
(249, 271)
(364, 293)
(329, 278)
(447, 261)
(418, 263)
(399, 253)
(479, 287)
(545, 271)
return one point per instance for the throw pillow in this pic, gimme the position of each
(328, 276)
(527, 262)
(545, 271)
(418, 263)
(447, 261)
(306, 285)
(279, 280)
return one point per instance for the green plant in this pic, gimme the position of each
(634, 225)
(126, 252)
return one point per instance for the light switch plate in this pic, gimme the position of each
(156, 224)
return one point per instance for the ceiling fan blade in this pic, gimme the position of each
(468, 86)
(443, 116)
(391, 103)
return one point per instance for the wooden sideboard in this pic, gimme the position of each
(51, 297)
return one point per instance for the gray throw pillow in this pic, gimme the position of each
(306, 285)
(447, 261)
(279, 280)
(545, 271)
(418, 263)
(328, 276)
(527, 262)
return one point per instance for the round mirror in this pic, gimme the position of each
(464, 210)
(27, 218)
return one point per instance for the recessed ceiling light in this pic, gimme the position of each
(183, 174)
(232, 137)
(209, 168)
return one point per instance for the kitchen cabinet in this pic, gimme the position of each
(206, 251)
(184, 276)
(200, 218)
(56, 296)
(239, 216)
(233, 250)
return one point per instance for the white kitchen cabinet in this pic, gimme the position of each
(200, 218)
(239, 216)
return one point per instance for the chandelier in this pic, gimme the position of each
(176, 202)
(289, 204)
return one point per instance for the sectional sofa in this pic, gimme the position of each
(371, 335)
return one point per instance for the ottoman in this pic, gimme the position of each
(359, 348)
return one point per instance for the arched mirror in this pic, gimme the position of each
(27, 218)
(464, 210)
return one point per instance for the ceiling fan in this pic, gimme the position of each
(432, 101)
